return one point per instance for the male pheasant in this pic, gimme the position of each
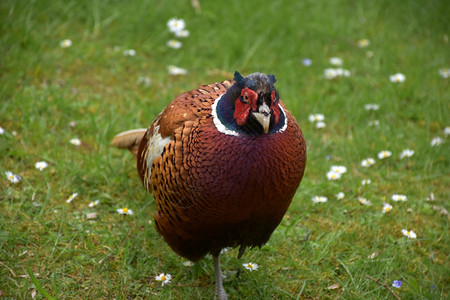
(223, 162)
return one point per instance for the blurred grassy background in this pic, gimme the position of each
(44, 88)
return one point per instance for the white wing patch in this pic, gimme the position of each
(155, 148)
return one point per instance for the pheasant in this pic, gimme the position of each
(223, 162)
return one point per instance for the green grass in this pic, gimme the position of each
(45, 87)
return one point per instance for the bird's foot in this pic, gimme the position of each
(221, 295)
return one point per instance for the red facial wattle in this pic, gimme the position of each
(274, 107)
(246, 102)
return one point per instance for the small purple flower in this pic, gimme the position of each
(397, 283)
(306, 62)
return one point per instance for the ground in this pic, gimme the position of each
(114, 75)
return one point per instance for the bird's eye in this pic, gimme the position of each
(244, 98)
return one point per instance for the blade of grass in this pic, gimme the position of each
(38, 286)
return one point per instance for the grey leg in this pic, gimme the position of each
(220, 291)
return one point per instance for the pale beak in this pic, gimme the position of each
(263, 117)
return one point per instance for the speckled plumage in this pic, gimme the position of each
(215, 190)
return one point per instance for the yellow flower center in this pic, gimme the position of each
(163, 277)
(364, 42)
(125, 210)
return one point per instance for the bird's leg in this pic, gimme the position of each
(220, 291)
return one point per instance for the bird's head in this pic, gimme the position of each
(257, 102)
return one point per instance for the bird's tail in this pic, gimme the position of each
(129, 140)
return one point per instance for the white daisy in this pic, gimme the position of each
(330, 73)
(188, 263)
(174, 70)
(129, 52)
(41, 165)
(2, 131)
(406, 153)
(94, 203)
(75, 142)
(445, 72)
(409, 233)
(336, 61)
(321, 124)
(364, 201)
(251, 266)
(367, 162)
(362, 43)
(371, 106)
(316, 117)
(319, 199)
(386, 207)
(125, 211)
(397, 198)
(73, 196)
(174, 44)
(176, 25)
(331, 175)
(384, 154)
(342, 72)
(436, 141)
(13, 177)
(340, 195)
(225, 250)
(164, 278)
(339, 169)
(397, 78)
(374, 123)
(446, 130)
(65, 43)
(366, 182)
(182, 33)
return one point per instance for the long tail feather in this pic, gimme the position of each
(129, 140)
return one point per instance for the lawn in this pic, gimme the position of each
(114, 75)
